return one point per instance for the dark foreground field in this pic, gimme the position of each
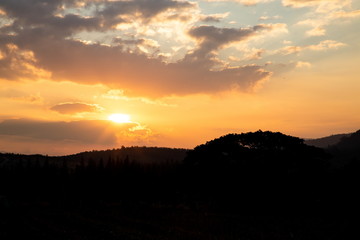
(164, 222)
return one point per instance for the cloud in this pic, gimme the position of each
(301, 64)
(88, 132)
(326, 44)
(84, 131)
(16, 63)
(116, 12)
(244, 2)
(321, 46)
(214, 17)
(254, 54)
(323, 13)
(264, 18)
(321, 5)
(300, 3)
(344, 14)
(210, 38)
(280, 68)
(68, 59)
(140, 45)
(30, 136)
(30, 99)
(92, 15)
(43, 14)
(248, 54)
(116, 94)
(43, 47)
(73, 108)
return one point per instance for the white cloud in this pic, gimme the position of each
(321, 46)
(301, 64)
(244, 2)
(323, 13)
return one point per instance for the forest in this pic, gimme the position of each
(256, 185)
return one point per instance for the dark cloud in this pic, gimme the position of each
(95, 63)
(211, 19)
(58, 138)
(34, 136)
(85, 132)
(42, 43)
(110, 65)
(73, 108)
(122, 41)
(43, 14)
(17, 63)
(212, 38)
(30, 11)
(72, 23)
(135, 44)
(32, 19)
(115, 12)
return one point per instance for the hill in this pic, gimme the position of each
(346, 152)
(325, 142)
(141, 155)
(344, 148)
(350, 142)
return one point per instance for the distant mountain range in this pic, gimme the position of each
(344, 149)
(325, 142)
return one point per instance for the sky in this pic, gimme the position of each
(180, 72)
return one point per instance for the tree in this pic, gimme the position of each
(257, 166)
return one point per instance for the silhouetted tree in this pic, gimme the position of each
(260, 168)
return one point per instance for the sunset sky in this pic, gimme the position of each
(181, 72)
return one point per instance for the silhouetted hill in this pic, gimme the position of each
(347, 151)
(259, 150)
(142, 155)
(350, 142)
(245, 169)
(325, 142)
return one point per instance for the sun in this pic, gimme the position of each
(119, 118)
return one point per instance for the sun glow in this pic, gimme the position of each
(119, 118)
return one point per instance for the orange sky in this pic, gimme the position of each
(184, 71)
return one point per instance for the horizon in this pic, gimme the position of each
(144, 146)
(82, 75)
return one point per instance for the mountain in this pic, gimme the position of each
(347, 149)
(325, 142)
(344, 148)
(350, 142)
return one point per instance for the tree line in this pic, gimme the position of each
(254, 172)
